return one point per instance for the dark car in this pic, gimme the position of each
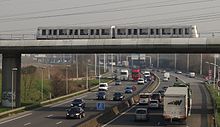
(75, 112)
(78, 103)
(156, 96)
(128, 89)
(161, 92)
(101, 95)
(118, 82)
(118, 96)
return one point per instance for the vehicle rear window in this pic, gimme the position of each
(141, 112)
(144, 96)
(153, 101)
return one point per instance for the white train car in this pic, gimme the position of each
(112, 32)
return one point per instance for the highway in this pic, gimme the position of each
(200, 117)
(54, 115)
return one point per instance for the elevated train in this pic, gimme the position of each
(116, 32)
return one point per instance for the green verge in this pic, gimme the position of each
(216, 100)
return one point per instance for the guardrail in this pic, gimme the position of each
(108, 115)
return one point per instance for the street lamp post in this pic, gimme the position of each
(67, 79)
(42, 83)
(87, 76)
(12, 86)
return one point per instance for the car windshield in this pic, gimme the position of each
(102, 85)
(118, 80)
(141, 111)
(155, 96)
(117, 94)
(101, 93)
(77, 101)
(141, 79)
(128, 87)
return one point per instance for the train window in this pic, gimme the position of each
(186, 31)
(105, 31)
(157, 31)
(180, 31)
(121, 31)
(91, 32)
(76, 32)
(135, 32)
(70, 32)
(174, 31)
(44, 32)
(97, 32)
(83, 31)
(54, 32)
(61, 32)
(129, 31)
(166, 31)
(50, 32)
(151, 31)
(143, 31)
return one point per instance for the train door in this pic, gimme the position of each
(113, 32)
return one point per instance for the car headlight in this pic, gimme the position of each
(80, 104)
(67, 114)
(77, 114)
(71, 104)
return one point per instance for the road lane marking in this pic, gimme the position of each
(15, 118)
(50, 115)
(27, 124)
(59, 122)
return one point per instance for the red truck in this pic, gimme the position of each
(136, 73)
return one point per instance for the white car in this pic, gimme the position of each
(146, 73)
(103, 86)
(165, 79)
(140, 81)
(141, 114)
(144, 98)
(154, 104)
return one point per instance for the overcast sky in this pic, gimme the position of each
(26, 15)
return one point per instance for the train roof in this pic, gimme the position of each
(117, 26)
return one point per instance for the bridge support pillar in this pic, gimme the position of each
(11, 74)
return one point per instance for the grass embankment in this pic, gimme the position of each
(216, 98)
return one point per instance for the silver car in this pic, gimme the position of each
(141, 114)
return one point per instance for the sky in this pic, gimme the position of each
(24, 16)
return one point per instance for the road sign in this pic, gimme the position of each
(100, 106)
(218, 83)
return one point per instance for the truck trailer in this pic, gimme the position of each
(176, 104)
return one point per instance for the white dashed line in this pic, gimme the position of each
(50, 115)
(27, 124)
(15, 118)
(59, 122)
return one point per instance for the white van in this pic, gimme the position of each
(124, 74)
(192, 74)
(103, 86)
(146, 73)
(144, 98)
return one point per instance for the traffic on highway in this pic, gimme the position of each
(168, 104)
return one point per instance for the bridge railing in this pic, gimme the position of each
(17, 36)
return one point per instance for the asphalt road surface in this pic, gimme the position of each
(201, 115)
(55, 115)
